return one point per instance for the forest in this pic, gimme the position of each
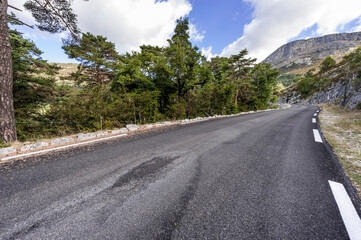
(110, 89)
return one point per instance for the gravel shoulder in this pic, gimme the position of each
(342, 129)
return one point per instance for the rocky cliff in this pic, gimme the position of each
(308, 53)
(334, 94)
(335, 86)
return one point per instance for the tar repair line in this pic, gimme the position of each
(313, 120)
(317, 136)
(348, 212)
(63, 147)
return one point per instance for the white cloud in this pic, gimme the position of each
(277, 21)
(194, 33)
(207, 52)
(358, 27)
(127, 23)
(131, 23)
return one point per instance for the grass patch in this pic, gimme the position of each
(342, 128)
(4, 145)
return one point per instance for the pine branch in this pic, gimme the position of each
(57, 14)
(19, 21)
(15, 8)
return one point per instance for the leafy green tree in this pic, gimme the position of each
(157, 69)
(327, 64)
(264, 79)
(184, 60)
(240, 75)
(98, 59)
(131, 76)
(34, 86)
(52, 16)
(216, 97)
(288, 79)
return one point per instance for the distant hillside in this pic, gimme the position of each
(339, 85)
(299, 56)
(65, 70)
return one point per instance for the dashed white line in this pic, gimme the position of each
(313, 120)
(315, 114)
(317, 136)
(348, 212)
(58, 148)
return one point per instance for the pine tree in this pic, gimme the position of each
(52, 16)
(98, 59)
(184, 60)
(7, 119)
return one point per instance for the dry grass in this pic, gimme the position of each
(342, 129)
(64, 72)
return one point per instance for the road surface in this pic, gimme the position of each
(257, 176)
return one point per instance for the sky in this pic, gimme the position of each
(217, 27)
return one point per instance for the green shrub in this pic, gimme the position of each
(327, 64)
(305, 85)
(3, 145)
(358, 106)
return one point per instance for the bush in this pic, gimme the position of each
(327, 64)
(358, 106)
(304, 86)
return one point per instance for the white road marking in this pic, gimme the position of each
(313, 120)
(317, 136)
(315, 114)
(318, 111)
(348, 212)
(62, 147)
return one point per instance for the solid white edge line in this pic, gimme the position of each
(317, 136)
(347, 209)
(313, 120)
(62, 147)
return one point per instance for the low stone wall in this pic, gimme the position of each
(83, 137)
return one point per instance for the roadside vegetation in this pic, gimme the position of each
(108, 90)
(342, 129)
(329, 71)
(288, 79)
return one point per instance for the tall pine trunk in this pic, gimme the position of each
(7, 119)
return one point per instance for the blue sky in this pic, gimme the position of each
(222, 21)
(217, 27)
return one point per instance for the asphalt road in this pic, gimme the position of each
(258, 176)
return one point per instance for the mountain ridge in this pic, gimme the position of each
(308, 53)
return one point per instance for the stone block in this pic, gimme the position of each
(132, 127)
(7, 150)
(34, 146)
(59, 141)
(101, 134)
(120, 130)
(85, 136)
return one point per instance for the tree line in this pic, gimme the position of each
(110, 90)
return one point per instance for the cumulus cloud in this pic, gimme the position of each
(207, 52)
(194, 33)
(127, 23)
(277, 21)
(358, 27)
(131, 23)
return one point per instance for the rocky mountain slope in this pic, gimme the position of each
(339, 85)
(301, 55)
